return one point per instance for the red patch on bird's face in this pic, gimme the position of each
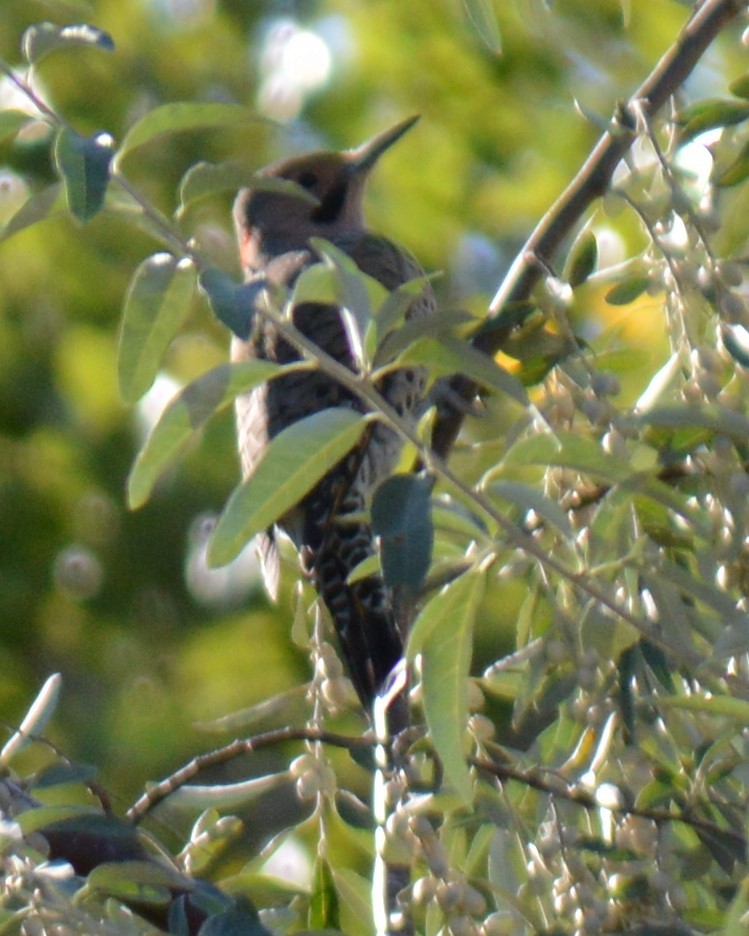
(247, 249)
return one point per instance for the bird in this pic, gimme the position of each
(275, 223)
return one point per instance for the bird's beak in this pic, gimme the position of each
(362, 158)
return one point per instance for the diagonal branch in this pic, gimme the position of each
(590, 183)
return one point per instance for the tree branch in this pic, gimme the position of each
(590, 183)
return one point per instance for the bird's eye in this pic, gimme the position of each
(307, 180)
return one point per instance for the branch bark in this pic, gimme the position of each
(708, 19)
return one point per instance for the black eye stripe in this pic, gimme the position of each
(307, 179)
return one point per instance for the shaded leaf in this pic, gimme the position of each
(740, 86)
(627, 290)
(143, 881)
(446, 356)
(34, 209)
(705, 115)
(582, 259)
(156, 304)
(11, 122)
(83, 163)
(443, 634)
(528, 498)
(235, 922)
(232, 303)
(186, 414)
(402, 519)
(294, 461)
(181, 116)
(42, 38)
(205, 179)
(737, 171)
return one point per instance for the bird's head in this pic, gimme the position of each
(317, 195)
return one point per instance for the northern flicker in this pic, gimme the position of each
(274, 228)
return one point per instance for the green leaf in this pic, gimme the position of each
(35, 720)
(443, 634)
(11, 122)
(205, 179)
(176, 118)
(402, 519)
(42, 38)
(143, 881)
(529, 498)
(83, 163)
(323, 910)
(740, 86)
(705, 115)
(447, 355)
(294, 461)
(582, 259)
(481, 14)
(157, 303)
(737, 171)
(187, 414)
(33, 210)
(354, 895)
(627, 290)
(232, 303)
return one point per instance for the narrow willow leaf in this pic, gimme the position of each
(187, 414)
(481, 14)
(324, 909)
(35, 720)
(582, 259)
(528, 498)
(144, 881)
(443, 634)
(232, 303)
(205, 179)
(228, 795)
(157, 303)
(627, 291)
(354, 895)
(11, 122)
(42, 38)
(181, 116)
(83, 163)
(448, 355)
(740, 86)
(737, 171)
(35, 209)
(705, 115)
(402, 520)
(294, 461)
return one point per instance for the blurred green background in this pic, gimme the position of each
(148, 643)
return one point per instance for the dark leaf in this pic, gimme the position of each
(324, 910)
(402, 519)
(232, 304)
(582, 259)
(705, 115)
(83, 163)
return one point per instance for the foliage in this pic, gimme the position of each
(580, 646)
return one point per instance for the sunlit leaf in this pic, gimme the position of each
(143, 881)
(323, 910)
(354, 895)
(228, 795)
(181, 116)
(402, 520)
(294, 461)
(443, 635)
(156, 304)
(42, 38)
(33, 724)
(528, 498)
(83, 163)
(187, 414)
(481, 14)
